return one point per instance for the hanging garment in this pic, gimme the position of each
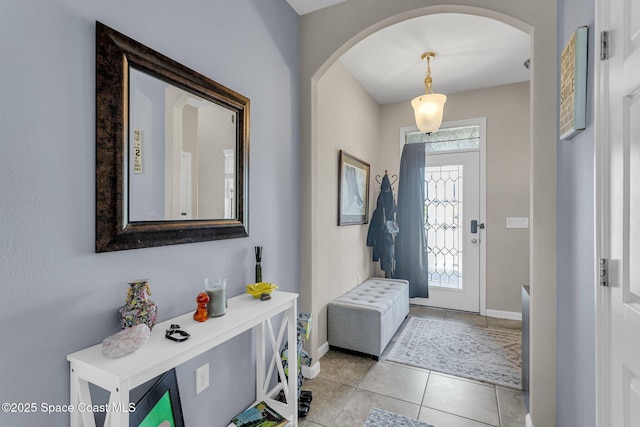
(411, 242)
(383, 227)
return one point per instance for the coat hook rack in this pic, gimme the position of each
(393, 180)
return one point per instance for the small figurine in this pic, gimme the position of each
(201, 314)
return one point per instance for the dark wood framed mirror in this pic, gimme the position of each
(172, 150)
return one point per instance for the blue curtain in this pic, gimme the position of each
(411, 241)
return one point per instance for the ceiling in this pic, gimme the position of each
(472, 52)
(307, 6)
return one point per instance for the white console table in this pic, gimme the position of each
(159, 355)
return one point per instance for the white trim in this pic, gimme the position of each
(403, 135)
(528, 421)
(601, 219)
(511, 315)
(482, 121)
(311, 371)
(323, 349)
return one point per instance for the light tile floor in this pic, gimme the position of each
(350, 385)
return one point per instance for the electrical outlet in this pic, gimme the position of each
(202, 378)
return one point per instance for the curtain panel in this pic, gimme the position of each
(411, 241)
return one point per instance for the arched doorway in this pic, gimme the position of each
(327, 34)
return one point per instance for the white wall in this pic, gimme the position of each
(347, 120)
(58, 295)
(507, 111)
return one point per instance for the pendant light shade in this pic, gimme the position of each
(428, 108)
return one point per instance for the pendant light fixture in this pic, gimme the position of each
(428, 108)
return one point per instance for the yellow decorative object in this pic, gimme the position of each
(260, 288)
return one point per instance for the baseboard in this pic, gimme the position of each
(511, 315)
(313, 370)
(323, 349)
(529, 423)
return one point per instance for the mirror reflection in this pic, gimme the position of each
(181, 155)
(172, 150)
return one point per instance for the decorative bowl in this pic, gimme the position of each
(261, 288)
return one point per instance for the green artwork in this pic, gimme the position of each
(161, 414)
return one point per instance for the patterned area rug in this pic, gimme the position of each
(489, 355)
(381, 418)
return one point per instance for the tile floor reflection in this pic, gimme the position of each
(349, 386)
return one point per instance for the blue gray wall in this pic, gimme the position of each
(58, 296)
(575, 293)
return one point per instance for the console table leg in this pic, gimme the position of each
(118, 413)
(79, 388)
(260, 363)
(292, 336)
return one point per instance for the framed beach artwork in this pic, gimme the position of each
(353, 190)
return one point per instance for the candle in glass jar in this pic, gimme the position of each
(217, 297)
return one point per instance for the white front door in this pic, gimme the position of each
(452, 202)
(618, 216)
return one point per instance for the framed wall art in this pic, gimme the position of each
(573, 84)
(353, 190)
(160, 406)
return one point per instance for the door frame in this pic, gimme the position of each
(601, 220)
(482, 122)
(186, 190)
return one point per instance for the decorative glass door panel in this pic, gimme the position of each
(452, 200)
(443, 223)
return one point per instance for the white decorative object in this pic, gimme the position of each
(126, 341)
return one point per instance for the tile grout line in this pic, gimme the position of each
(343, 406)
(424, 393)
(495, 390)
(458, 416)
(428, 372)
(355, 387)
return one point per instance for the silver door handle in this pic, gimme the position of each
(474, 240)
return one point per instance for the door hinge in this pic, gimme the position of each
(603, 272)
(604, 45)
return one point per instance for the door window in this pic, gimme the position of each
(448, 139)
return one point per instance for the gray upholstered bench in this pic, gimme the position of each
(365, 319)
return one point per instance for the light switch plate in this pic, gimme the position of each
(517, 222)
(202, 378)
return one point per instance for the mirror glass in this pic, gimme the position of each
(181, 153)
(172, 150)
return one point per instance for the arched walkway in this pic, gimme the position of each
(325, 35)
